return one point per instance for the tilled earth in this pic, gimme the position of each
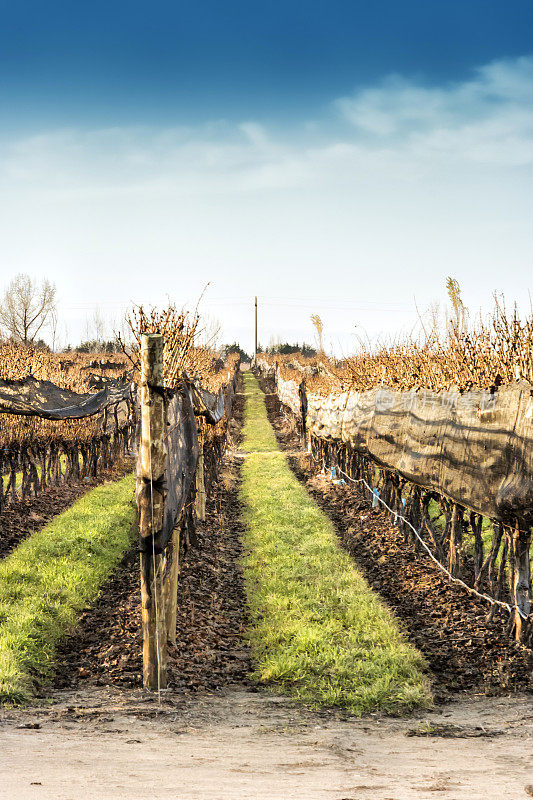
(20, 520)
(463, 650)
(106, 648)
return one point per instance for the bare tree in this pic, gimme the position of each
(99, 325)
(26, 308)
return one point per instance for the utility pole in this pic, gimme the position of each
(255, 351)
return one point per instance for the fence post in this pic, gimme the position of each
(520, 542)
(151, 467)
(200, 480)
(171, 585)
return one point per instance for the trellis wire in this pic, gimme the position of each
(451, 577)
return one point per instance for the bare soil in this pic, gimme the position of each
(110, 744)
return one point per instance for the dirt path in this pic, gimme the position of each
(242, 745)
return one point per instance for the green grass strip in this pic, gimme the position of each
(319, 632)
(52, 576)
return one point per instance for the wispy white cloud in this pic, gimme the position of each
(402, 181)
(486, 119)
(209, 157)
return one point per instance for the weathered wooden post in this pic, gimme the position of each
(455, 562)
(521, 577)
(200, 480)
(150, 470)
(171, 585)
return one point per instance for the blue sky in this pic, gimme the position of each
(118, 62)
(334, 157)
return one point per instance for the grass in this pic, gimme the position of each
(319, 633)
(52, 576)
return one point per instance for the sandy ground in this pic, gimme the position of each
(240, 744)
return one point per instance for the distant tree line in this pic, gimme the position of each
(281, 348)
(285, 348)
(99, 346)
(235, 348)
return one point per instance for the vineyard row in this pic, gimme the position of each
(453, 468)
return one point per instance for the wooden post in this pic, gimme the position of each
(151, 466)
(520, 542)
(455, 561)
(200, 482)
(171, 586)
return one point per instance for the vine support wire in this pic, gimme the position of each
(500, 603)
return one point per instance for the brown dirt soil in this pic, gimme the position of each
(20, 520)
(106, 648)
(463, 650)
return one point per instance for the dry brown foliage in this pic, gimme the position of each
(67, 370)
(180, 329)
(495, 352)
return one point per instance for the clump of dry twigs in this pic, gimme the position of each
(180, 330)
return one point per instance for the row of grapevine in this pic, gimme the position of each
(452, 461)
(41, 444)
(173, 413)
